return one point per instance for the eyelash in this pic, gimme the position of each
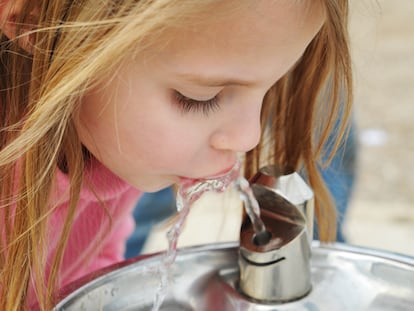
(188, 104)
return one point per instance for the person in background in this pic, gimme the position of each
(101, 101)
(150, 210)
(340, 176)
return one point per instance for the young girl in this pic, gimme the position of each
(102, 98)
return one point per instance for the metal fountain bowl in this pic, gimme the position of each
(205, 278)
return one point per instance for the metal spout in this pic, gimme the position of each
(279, 270)
(291, 186)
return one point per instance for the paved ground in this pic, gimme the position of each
(382, 210)
(381, 214)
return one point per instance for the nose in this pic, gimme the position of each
(240, 131)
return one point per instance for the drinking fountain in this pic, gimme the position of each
(281, 269)
(278, 269)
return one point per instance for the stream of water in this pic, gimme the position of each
(190, 191)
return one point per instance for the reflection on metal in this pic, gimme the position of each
(279, 270)
(206, 278)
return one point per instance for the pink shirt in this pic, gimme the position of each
(102, 223)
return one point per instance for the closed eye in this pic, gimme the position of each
(188, 104)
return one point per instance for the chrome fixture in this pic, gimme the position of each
(279, 270)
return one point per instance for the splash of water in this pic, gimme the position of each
(252, 209)
(190, 191)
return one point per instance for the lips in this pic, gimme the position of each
(231, 170)
(221, 173)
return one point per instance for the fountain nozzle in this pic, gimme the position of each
(275, 264)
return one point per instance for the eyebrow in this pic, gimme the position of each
(213, 81)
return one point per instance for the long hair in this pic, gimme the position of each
(304, 108)
(76, 41)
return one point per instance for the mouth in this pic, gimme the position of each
(222, 173)
(231, 171)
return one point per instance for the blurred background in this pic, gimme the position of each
(381, 211)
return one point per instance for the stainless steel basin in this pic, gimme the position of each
(205, 278)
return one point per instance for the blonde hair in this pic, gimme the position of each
(76, 41)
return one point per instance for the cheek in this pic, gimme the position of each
(141, 129)
(164, 142)
(159, 130)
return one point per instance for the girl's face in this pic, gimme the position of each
(188, 106)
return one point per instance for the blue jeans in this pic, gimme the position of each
(340, 177)
(151, 209)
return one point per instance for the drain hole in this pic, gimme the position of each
(262, 238)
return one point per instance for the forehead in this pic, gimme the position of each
(238, 16)
(244, 36)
